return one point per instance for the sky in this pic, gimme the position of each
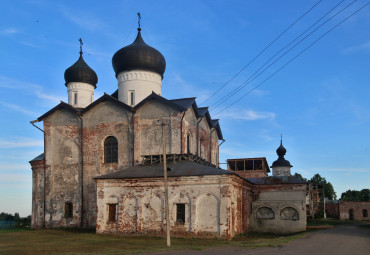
(319, 101)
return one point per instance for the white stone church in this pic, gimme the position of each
(102, 165)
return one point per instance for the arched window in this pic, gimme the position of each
(265, 213)
(364, 213)
(289, 213)
(110, 150)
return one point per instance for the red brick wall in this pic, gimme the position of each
(332, 209)
(357, 210)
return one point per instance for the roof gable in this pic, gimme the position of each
(163, 100)
(60, 106)
(109, 98)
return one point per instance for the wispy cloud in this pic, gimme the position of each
(346, 170)
(242, 154)
(19, 109)
(249, 115)
(364, 47)
(20, 142)
(187, 89)
(14, 167)
(52, 98)
(83, 19)
(9, 31)
(29, 44)
(10, 83)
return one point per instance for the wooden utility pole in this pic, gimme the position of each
(323, 194)
(166, 188)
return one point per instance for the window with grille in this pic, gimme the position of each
(364, 213)
(68, 210)
(112, 212)
(110, 150)
(180, 213)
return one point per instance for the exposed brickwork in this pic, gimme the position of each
(69, 171)
(357, 208)
(252, 173)
(214, 206)
(332, 209)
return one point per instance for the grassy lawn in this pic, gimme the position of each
(83, 242)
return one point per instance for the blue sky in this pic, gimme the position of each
(319, 102)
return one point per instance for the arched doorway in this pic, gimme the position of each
(351, 214)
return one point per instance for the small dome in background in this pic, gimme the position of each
(139, 56)
(281, 161)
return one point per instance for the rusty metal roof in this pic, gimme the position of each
(277, 180)
(184, 168)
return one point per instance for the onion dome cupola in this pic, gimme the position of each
(81, 81)
(281, 166)
(138, 56)
(139, 69)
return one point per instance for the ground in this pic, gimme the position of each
(343, 239)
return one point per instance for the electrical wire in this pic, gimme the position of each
(255, 75)
(272, 42)
(301, 52)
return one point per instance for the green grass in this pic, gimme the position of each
(87, 242)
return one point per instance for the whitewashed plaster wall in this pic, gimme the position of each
(140, 207)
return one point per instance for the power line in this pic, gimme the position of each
(294, 58)
(255, 75)
(250, 62)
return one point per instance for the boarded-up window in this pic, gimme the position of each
(265, 213)
(68, 210)
(289, 213)
(180, 213)
(112, 212)
(110, 150)
(364, 213)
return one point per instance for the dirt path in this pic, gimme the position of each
(345, 239)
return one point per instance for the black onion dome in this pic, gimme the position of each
(281, 161)
(138, 56)
(80, 72)
(281, 150)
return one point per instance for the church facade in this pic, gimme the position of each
(102, 165)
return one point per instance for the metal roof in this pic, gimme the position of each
(277, 180)
(184, 168)
(39, 157)
(60, 106)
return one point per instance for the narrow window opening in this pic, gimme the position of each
(112, 212)
(132, 97)
(364, 213)
(111, 150)
(188, 144)
(75, 98)
(180, 213)
(68, 210)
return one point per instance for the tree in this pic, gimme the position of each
(328, 187)
(300, 176)
(354, 195)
